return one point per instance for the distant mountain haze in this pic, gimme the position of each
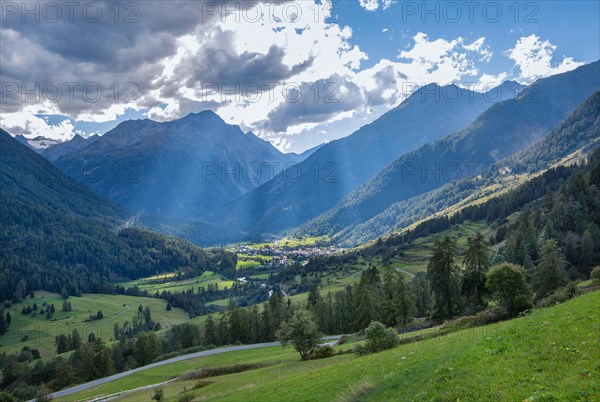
(183, 168)
(580, 132)
(502, 130)
(328, 175)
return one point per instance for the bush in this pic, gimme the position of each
(487, 316)
(360, 350)
(158, 395)
(559, 296)
(186, 398)
(507, 282)
(595, 274)
(321, 352)
(201, 384)
(379, 338)
(219, 371)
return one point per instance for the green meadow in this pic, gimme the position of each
(39, 332)
(549, 354)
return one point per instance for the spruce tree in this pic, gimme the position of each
(443, 273)
(477, 263)
(549, 274)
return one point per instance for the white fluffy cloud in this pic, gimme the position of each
(243, 64)
(29, 123)
(534, 58)
(372, 5)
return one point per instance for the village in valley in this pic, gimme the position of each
(284, 253)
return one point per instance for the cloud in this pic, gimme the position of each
(372, 5)
(242, 68)
(314, 102)
(534, 58)
(216, 61)
(369, 5)
(31, 123)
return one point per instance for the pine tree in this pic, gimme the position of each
(210, 331)
(477, 263)
(422, 290)
(443, 273)
(364, 304)
(3, 325)
(75, 339)
(399, 304)
(549, 274)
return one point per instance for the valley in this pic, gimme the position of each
(431, 247)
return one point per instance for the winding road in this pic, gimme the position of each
(100, 381)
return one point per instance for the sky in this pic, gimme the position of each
(296, 73)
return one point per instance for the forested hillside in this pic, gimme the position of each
(57, 234)
(501, 131)
(579, 132)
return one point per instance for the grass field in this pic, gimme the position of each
(241, 265)
(164, 282)
(550, 354)
(41, 332)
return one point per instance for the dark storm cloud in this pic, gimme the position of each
(218, 62)
(314, 102)
(140, 32)
(385, 78)
(121, 53)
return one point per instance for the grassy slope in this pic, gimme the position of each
(116, 308)
(161, 283)
(551, 352)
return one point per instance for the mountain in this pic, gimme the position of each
(578, 133)
(55, 233)
(182, 168)
(23, 140)
(335, 169)
(308, 152)
(53, 152)
(502, 130)
(38, 143)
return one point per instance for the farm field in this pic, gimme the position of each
(168, 282)
(38, 332)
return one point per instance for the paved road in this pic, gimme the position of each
(91, 384)
(406, 272)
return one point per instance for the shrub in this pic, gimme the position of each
(158, 395)
(484, 317)
(218, 371)
(507, 282)
(186, 398)
(321, 352)
(595, 274)
(379, 338)
(201, 384)
(560, 295)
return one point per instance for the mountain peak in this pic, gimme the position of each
(202, 116)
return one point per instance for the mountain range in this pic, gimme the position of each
(210, 182)
(57, 233)
(502, 130)
(183, 168)
(328, 175)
